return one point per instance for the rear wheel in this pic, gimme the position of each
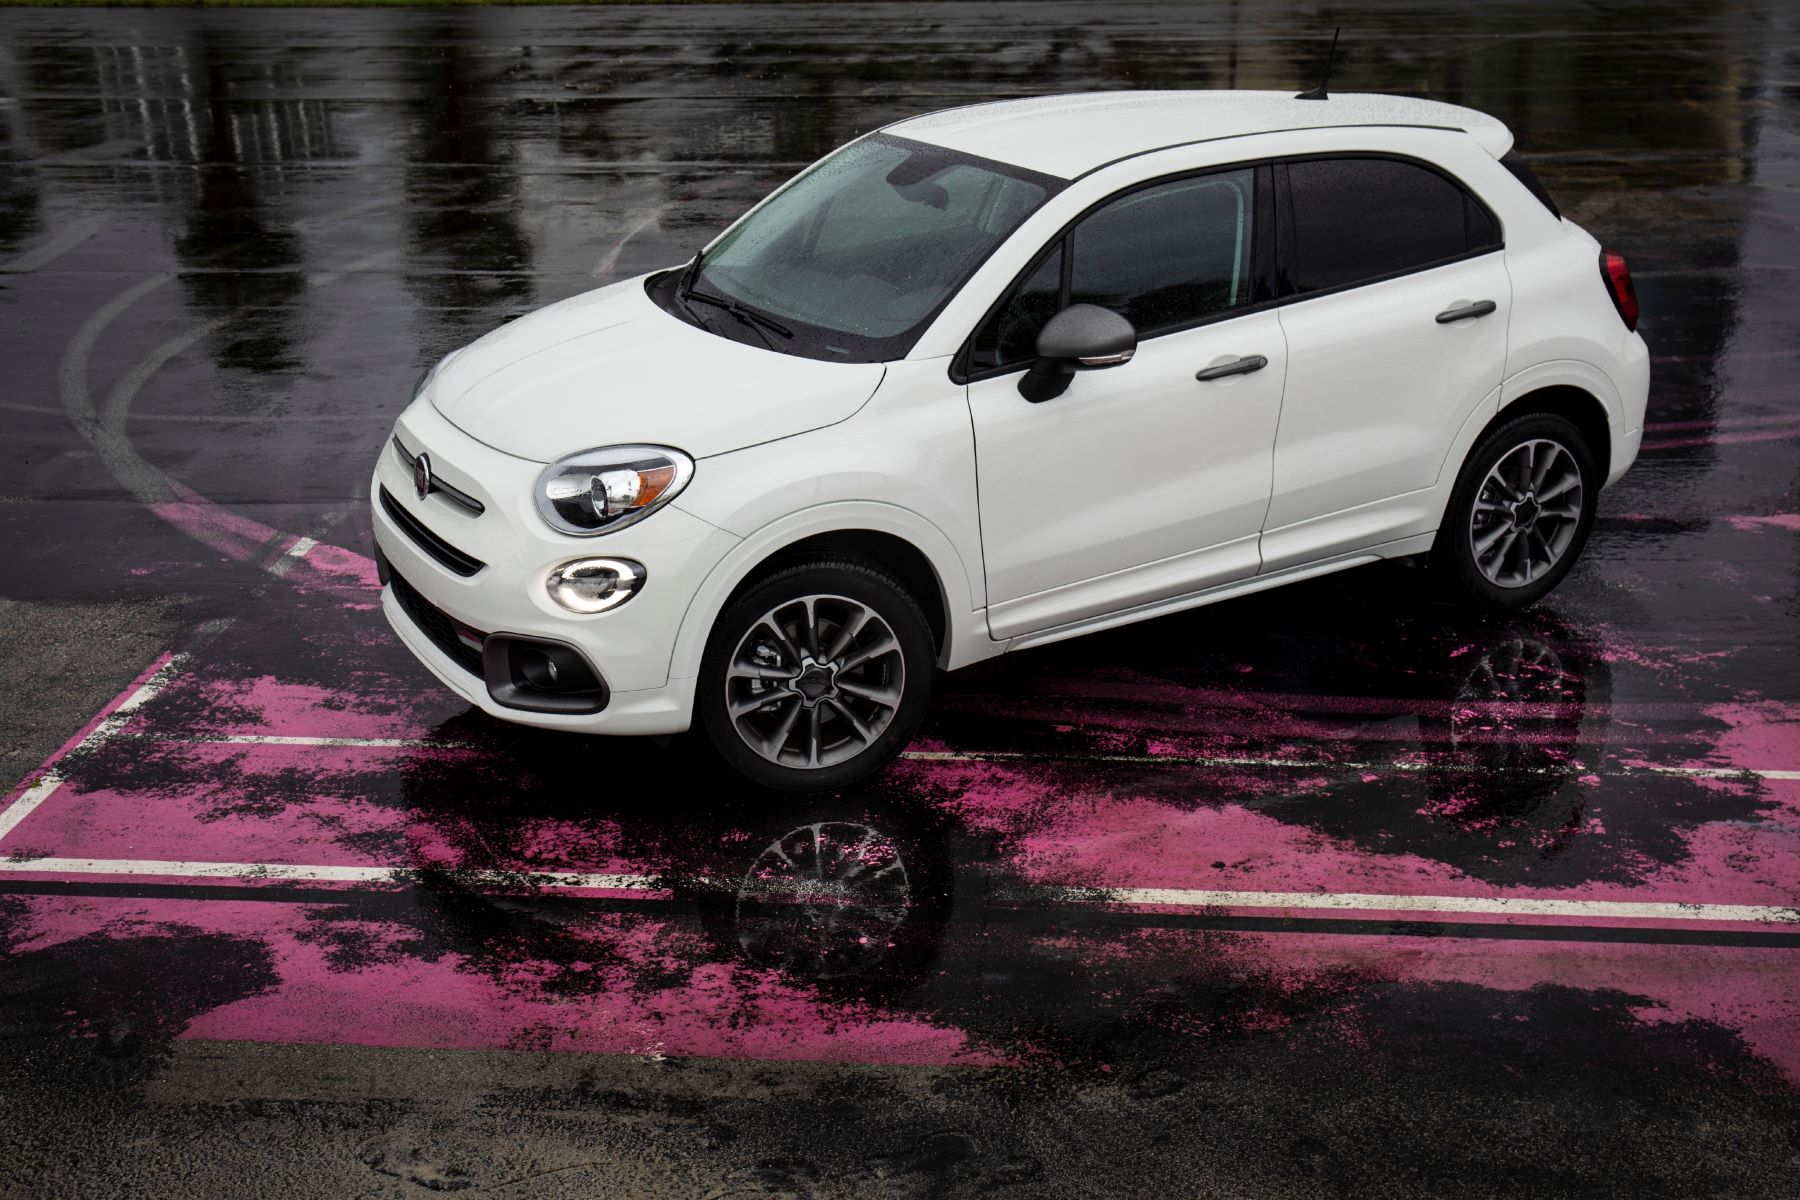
(1520, 513)
(816, 677)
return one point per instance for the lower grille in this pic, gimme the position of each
(438, 625)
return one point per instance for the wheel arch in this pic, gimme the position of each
(920, 557)
(1576, 404)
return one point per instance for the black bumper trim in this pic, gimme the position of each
(437, 625)
(441, 552)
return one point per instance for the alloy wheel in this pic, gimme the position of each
(815, 681)
(1527, 513)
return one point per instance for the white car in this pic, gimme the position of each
(1003, 375)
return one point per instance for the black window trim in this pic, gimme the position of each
(1261, 277)
(1272, 240)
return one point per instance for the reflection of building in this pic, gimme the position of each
(158, 97)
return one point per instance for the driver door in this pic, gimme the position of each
(1141, 482)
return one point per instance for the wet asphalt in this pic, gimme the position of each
(281, 917)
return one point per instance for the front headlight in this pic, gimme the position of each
(598, 491)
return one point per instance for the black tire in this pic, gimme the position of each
(1454, 554)
(841, 714)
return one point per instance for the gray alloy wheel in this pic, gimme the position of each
(1526, 515)
(815, 681)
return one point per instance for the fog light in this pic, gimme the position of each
(595, 585)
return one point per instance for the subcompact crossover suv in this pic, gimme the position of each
(998, 376)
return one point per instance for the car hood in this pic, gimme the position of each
(609, 367)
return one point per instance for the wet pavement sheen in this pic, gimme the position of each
(1328, 891)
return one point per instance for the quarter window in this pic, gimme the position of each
(1356, 219)
(1010, 335)
(1163, 257)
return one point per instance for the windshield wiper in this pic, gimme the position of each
(748, 316)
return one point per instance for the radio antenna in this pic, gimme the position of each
(1318, 93)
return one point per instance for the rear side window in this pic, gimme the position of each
(1359, 219)
(1524, 174)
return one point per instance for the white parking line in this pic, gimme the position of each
(1312, 764)
(77, 232)
(1102, 897)
(1761, 914)
(267, 872)
(1149, 760)
(51, 779)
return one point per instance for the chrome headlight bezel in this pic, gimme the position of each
(598, 491)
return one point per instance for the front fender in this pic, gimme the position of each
(965, 632)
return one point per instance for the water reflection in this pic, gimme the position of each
(470, 257)
(241, 253)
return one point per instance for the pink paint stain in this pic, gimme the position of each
(1061, 835)
(264, 705)
(321, 567)
(1787, 521)
(690, 1006)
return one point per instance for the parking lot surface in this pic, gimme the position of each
(1328, 891)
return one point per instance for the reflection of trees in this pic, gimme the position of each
(237, 258)
(472, 261)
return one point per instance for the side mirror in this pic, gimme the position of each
(1082, 337)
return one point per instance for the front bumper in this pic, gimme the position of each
(629, 647)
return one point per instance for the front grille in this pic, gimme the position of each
(455, 495)
(448, 556)
(437, 624)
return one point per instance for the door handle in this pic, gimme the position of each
(1243, 366)
(1465, 312)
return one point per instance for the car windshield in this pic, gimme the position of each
(860, 252)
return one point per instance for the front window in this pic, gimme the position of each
(1164, 257)
(857, 255)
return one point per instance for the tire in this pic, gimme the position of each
(1526, 535)
(853, 706)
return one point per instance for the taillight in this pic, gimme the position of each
(1620, 287)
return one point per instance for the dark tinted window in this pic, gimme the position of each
(1362, 218)
(1524, 174)
(1010, 335)
(1170, 254)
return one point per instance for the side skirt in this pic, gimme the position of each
(1418, 544)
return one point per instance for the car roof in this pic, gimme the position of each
(1070, 135)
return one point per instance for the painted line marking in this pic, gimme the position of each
(280, 739)
(50, 779)
(1156, 760)
(1175, 898)
(78, 231)
(1762, 914)
(1304, 764)
(327, 874)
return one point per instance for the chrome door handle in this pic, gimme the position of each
(1243, 366)
(1480, 308)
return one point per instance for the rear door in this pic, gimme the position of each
(1396, 334)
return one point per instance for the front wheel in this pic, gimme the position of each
(816, 677)
(1520, 512)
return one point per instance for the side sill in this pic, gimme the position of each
(1227, 591)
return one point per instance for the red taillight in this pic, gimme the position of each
(1620, 287)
